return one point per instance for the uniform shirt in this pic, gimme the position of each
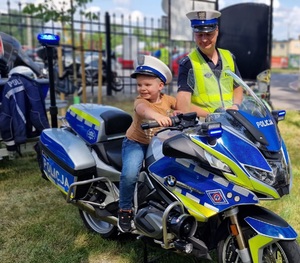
(185, 66)
(164, 107)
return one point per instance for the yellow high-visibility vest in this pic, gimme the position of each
(211, 92)
(164, 55)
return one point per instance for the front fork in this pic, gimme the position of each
(237, 232)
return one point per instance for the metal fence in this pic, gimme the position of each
(124, 36)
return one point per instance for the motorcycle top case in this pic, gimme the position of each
(66, 159)
(96, 123)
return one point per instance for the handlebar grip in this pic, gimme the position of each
(149, 125)
(154, 124)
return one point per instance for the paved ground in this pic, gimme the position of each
(285, 91)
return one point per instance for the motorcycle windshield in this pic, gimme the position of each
(253, 120)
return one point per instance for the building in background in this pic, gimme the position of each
(286, 54)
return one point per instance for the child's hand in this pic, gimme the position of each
(164, 121)
(233, 107)
(172, 113)
(176, 112)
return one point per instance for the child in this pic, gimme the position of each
(151, 104)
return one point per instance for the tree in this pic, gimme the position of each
(50, 10)
(13, 19)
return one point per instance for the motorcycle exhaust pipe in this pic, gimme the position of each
(91, 211)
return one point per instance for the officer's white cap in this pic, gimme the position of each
(152, 66)
(204, 20)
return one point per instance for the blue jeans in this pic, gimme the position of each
(133, 155)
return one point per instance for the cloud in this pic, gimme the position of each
(93, 9)
(286, 23)
(137, 16)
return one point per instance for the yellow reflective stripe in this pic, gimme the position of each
(85, 116)
(256, 244)
(200, 212)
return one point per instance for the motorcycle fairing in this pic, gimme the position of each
(270, 230)
(200, 186)
(240, 175)
(267, 223)
(265, 126)
(287, 160)
(237, 148)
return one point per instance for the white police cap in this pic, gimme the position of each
(152, 66)
(204, 20)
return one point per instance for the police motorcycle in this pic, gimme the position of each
(201, 185)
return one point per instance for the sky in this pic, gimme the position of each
(286, 13)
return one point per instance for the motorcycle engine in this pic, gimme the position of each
(149, 221)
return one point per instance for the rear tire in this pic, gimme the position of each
(285, 251)
(104, 229)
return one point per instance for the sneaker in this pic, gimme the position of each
(124, 222)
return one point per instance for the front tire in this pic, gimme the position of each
(106, 230)
(285, 251)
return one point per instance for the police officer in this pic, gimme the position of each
(162, 53)
(202, 85)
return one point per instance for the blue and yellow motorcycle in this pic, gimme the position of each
(201, 185)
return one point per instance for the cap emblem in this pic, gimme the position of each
(202, 15)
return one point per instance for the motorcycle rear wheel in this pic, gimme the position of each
(283, 251)
(100, 227)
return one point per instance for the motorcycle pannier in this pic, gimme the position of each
(66, 159)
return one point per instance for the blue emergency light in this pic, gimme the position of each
(279, 115)
(47, 39)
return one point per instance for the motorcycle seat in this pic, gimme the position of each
(116, 122)
(110, 152)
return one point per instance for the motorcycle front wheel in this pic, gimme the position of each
(283, 251)
(100, 227)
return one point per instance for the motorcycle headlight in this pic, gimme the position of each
(215, 162)
(262, 175)
(280, 175)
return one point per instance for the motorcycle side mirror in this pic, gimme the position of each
(278, 115)
(211, 130)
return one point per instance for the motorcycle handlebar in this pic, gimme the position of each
(182, 120)
(148, 125)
